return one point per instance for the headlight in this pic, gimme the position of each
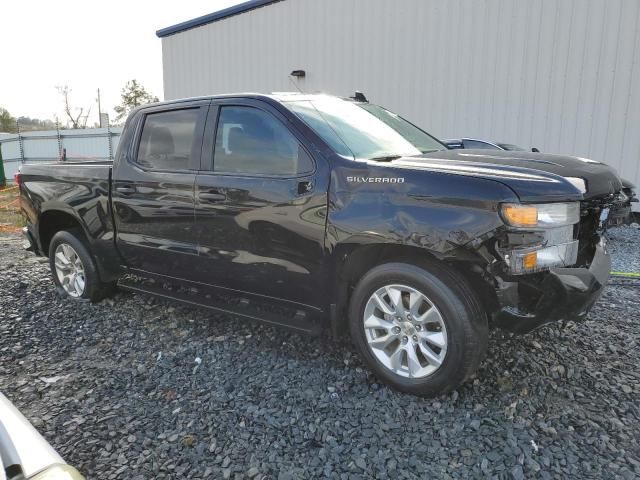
(537, 259)
(553, 223)
(541, 215)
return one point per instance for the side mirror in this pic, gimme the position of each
(535, 150)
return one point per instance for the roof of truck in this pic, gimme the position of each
(277, 96)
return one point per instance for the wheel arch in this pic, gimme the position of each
(352, 262)
(53, 221)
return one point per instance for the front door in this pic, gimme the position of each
(261, 204)
(153, 189)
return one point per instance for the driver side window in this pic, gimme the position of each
(250, 141)
(167, 139)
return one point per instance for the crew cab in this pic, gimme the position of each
(314, 212)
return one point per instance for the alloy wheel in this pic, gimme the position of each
(405, 331)
(69, 270)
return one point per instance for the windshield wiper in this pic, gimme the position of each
(434, 150)
(386, 158)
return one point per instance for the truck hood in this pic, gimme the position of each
(532, 176)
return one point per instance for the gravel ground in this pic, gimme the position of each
(138, 388)
(625, 248)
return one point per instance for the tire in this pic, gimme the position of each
(454, 334)
(68, 249)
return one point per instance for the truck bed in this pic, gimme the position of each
(74, 193)
(72, 169)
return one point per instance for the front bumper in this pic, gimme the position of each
(567, 294)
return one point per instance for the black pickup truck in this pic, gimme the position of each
(317, 212)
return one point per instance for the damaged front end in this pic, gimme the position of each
(552, 265)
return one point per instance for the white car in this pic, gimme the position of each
(24, 454)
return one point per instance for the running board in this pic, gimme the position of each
(298, 320)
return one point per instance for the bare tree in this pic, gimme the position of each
(79, 120)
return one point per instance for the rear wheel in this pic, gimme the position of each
(421, 330)
(74, 270)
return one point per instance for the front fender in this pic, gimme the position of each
(413, 214)
(435, 211)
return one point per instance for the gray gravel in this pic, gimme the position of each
(625, 248)
(118, 389)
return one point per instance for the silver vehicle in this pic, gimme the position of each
(24, 454)
(474, 143)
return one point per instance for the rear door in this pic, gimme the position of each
(153, 189)
(261, 202)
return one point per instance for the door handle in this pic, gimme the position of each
(212, 197)
(305, 187)
(126, 189)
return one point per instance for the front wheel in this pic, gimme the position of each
(74, 270)
(421, 330)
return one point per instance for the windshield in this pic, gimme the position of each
(418, 138)
(353, 131)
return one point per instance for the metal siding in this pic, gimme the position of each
(560, 75)
(631, 145)
(42, 146)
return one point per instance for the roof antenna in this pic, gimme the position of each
(297, 74)
(359, 97)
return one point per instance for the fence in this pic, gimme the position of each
(56, 145)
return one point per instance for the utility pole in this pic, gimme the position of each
(20, 143)
(99, 111)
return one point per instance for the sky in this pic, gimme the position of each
(86, 45)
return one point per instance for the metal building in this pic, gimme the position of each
(560, 75)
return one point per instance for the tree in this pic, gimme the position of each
(133, 95)
(7, 122)
(79, 120)
(28, 124)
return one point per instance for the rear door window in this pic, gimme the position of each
(253, 142)
(167, 139)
